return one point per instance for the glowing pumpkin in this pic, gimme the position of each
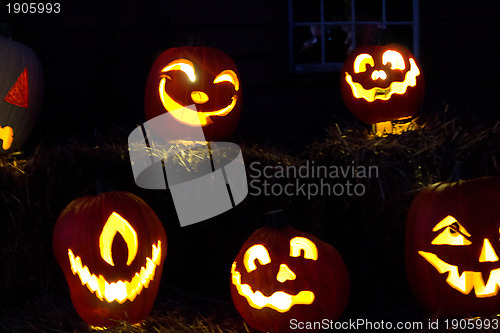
(21, 89)
(381, 84)
(282, 273)
(203, 76)
(111, 248)
(452, 247)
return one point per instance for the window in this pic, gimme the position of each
(324, 32)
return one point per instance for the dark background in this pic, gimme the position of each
(96, 57)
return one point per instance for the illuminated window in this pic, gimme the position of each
(324, 32)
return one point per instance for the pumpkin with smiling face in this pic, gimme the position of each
(382, 83)
(200, 76)
(111, 248)
(282, 273)
(452, 247)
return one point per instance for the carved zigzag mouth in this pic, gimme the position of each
(382, 93)
(466, 281)
(119, 291)
(279, 300)
(385, 94)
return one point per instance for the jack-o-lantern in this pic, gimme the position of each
(452, 247)
(21, 89)
(203, 76)
(282, 273)
(111, 248)
(381, 84)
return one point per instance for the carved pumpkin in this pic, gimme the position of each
(203, 76)
(282, 273)
(21, 89)
(382, 83)
(452, 247)
(111, 248)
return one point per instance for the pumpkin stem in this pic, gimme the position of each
(103, 186)
(276, 219)
(196, 40)
(456, 174)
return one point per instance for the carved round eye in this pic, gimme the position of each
(395, 58)
(299, 245)
(451, 236)
(256, 252)
(361, 61)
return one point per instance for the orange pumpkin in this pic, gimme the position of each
(382, 83)
(282, 273)
(452, 247)
(111, 248)
(200, 76)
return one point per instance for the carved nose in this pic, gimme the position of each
(379, 75)
(199, 97)
(488, 254)
(285, 274)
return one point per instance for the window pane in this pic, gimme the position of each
(306, 10)
(399, 10)
(337, 10)
(338, 42)
(307, 44)
(401, 34)
(369, 34)
(368, 10)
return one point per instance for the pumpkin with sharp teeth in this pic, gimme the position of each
(452, 247)
(382, 83)
(111, 248)
(203, 76)
(282, 273)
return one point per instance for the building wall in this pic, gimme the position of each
(459, 52)
(97, 55)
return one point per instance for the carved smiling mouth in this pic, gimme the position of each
(187, 116)
(384, 94)
(118, 291)
(279, 300)
(466, 281)
(381, 93)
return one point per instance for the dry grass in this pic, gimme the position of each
(368, 230)
(179, 312)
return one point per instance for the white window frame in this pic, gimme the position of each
(325, 66)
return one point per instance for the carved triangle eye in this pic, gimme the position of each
(453, 233)
(18, 94)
